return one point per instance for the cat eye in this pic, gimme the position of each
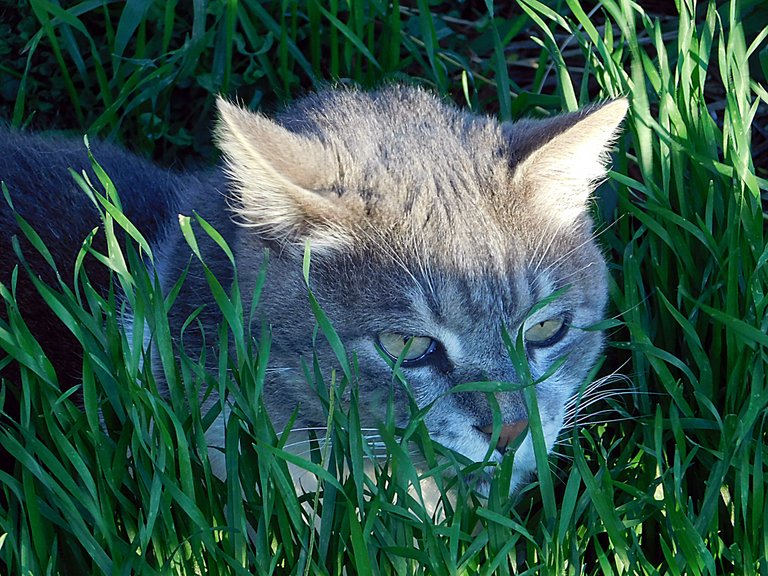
(419, 347)
(546, 333)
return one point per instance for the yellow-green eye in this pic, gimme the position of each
(546, 333)
(394, 345)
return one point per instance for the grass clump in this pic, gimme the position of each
(675, 486)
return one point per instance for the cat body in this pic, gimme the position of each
(432, 230)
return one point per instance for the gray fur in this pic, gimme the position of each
(430, 221)
(424, 220)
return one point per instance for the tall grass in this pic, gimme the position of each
(675, 486)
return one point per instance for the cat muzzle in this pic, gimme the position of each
(509, 433)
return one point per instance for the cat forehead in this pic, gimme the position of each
(471, 285)
(407, 133)
(469, 238)
(414, 160)
(463, 285)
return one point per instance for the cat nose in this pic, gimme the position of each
(508, 434)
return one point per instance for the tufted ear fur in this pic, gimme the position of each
(282, 180)
(562, 159)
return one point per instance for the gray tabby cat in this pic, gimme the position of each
(431, 228)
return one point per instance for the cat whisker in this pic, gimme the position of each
(423, 264)
(582, 407)
(425, 269)
(298, 443)
(576, 412)
(323, 429)
(565, 256)
(576, 272)
(373, 440)
(543, 255)
(638, 306)
(581, 401)
(614, 376)
(602, 421)
(381, 242)
(278, 369)
(375, 448)
(600, 394)
(305, 429)
(582, 418)
(560, 456)
(587, 401)
(558, 470)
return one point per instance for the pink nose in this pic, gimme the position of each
(509, 432)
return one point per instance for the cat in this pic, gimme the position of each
(432, 230)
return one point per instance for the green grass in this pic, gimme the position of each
(676, 486)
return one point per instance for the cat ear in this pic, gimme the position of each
(281, 179)
(563, 159)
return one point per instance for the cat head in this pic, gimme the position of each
(432, 228)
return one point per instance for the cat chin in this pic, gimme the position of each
(474, 446)
(481, 482)
(523, 470)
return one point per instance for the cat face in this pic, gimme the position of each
(432, 231)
